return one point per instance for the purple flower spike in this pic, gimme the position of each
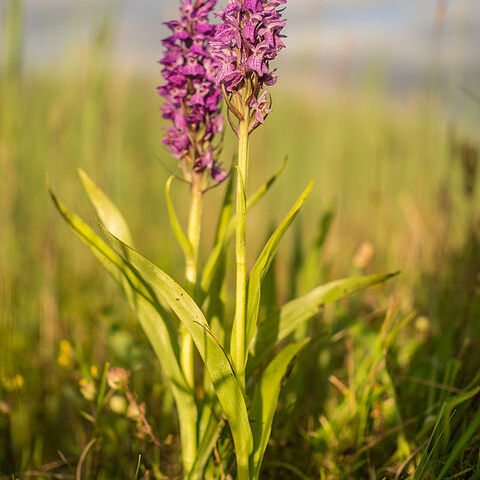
(192, 98)
(247, 40)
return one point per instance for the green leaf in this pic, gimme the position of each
(209, 431)
(216, 290)
(217, 363)
(103, 388)
(279, 326)
(184, 242)
(108, 257)
(226, 227)
(451, 405)
(460, 445)
(262, 265)
(432, 446)
(158, 327)
(106, 210)
(137, 470)
(269, 292)
(225, 218)
(215, 259)
(265, 401)
(216, 304)
(295, 270)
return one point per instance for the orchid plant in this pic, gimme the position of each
(242, 360)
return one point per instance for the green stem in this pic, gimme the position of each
(238, 330)
(243, 470)
(194, 230)
(189, 425)
(188, 418)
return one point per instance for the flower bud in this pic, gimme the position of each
(135, 411)
(117, 378)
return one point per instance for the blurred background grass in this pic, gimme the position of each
(397, 166)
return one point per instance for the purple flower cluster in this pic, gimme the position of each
(192, 98)
(247, 40)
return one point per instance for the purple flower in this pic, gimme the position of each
(247, 40)
(192, 98)
(261, 107)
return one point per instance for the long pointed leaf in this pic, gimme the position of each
(209, 431)
(262, 265)
(265, 401)
(228, 227)
(216, 361)
(106, 210)
(460, 445)
(279, 326)
(221, 241)
(451, 405)
(432, 446)
(176, 227)
(225, 218)
(108, 257)
(158, 328)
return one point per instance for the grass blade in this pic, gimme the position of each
(452, 404)
(262, 265)
(103, 388)
(460, 445)
(265, 401)
(434, 440)
(209, 430)
(284, 322)
(184, 242)
(137, 470)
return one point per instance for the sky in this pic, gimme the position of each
(326, 38)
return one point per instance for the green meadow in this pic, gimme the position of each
(389, 387)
